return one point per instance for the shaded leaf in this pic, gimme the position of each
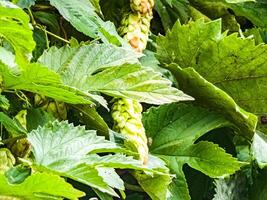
(233, 64)
(82, 15)
(173, 129)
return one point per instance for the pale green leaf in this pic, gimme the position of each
(76, 64)
(173, 129)
(59, 140)
(61, 148)
(13, 22)
(135, 82)
(39, 186)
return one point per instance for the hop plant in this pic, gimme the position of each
(128, 121)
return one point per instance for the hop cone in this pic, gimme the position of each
(127, 120)
(142, 6)
(55, 108)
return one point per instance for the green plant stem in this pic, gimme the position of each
(32, 18)
(52, 34)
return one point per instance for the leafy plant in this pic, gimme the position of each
(132, 99)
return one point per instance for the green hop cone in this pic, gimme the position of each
(55, 108)
(7, 160)
(128, 121)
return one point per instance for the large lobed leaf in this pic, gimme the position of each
(173, 130)
(70, 151)
(233, 64)
(14, 22)
(133, 81)
(118, 76)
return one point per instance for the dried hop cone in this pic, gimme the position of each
(142, 6)
(128, 121)
(135, 29)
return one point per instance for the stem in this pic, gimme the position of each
(133, 187)
(52, 34)
(32, 18)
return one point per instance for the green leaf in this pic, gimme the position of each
(173, 130)
(4, 103)
(13, 22)
(86, 59)
(229, 62)
(155, 185)
(82, 15)
(258, 190)
(76, 64)
(210, 96)
(49, 186)
(256, 11)
(171, 10)
(39, 79)
(132, 81)
(17, 174)
(61, 148)
(11, 125)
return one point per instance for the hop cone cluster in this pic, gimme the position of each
(127, 114)
(127, 120)
(56, 108)
(136, 24)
